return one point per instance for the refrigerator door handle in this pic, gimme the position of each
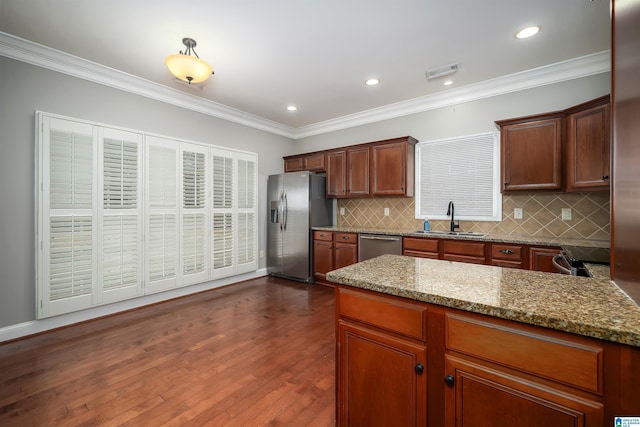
(286, 211)
(280, 211)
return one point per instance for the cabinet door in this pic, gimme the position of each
(476, 395)
(531, 155)
(345, 254)
(322, 259)
(358, 172)
(336, 174)
(382, 379)
(540, 259)
(389, 170)
(293, 165)
(314, 162)
(463, 251)
(588, 149)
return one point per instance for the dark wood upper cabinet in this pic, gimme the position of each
(531, 152)
(588, 146)
(392, 168)
(337, 173)
(358, 172)
(314, 162)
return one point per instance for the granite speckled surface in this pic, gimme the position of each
(586, 306)
(527, 240)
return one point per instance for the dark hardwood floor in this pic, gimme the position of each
(255, 353)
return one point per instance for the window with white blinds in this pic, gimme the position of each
(123, 214)
(464, 170)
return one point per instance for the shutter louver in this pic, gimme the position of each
(162, 246)
(193, 247)
(162, 177)
(70, 256)
(246, 239)
(71, 170)
(193, 179)
(222, 182)
(246, 184)
(120, 254)
(222, 240)
(120, 174)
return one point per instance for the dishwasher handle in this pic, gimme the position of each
(392, 239)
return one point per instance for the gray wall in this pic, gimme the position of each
(23, 90)
(468, 118)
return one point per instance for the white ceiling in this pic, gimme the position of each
(315, 55)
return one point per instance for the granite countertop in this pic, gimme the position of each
(526, 240)
(591, 307)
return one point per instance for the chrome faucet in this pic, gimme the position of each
(453, 225)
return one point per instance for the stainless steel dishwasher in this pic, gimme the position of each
(373, 245)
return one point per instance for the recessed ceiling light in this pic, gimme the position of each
(448, 82)
(527, 32)
(292, 108)
(372, 82)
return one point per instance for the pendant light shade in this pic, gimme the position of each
(188, 68)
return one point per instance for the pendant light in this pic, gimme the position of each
(188, 68)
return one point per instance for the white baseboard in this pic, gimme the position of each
(36, 326)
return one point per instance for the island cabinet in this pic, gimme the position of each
(531, 152)
(401, 362)
(381, 361)
(333, 250)
(588, 145)
(314, 162)
(498, 373)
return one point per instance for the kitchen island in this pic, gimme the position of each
(463, 344)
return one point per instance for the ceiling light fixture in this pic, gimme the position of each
(527, 32)
(188, 68)
(448, 83)
(292, 108)
(372, 82)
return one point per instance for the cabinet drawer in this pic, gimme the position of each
(404, 318)
(457, 247)
(420, 254)
(346, 237)
(506, 263)
(419, 244)
(570, 361)
(322, 235)
(506, 252)
(463, 258)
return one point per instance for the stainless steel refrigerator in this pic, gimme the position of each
(296, 202)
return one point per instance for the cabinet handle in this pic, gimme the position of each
(605, 177)
(449, 380)
(346, 237)
(419, 369)
(506, 183)
(506, 251)
(322, 235)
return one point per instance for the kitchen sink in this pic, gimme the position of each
(451, 233)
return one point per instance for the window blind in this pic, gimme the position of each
(463, 170)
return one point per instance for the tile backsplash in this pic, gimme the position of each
(542, 215)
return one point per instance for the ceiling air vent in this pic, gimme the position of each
(442, 71)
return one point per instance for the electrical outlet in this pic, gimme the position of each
(517, 213)
(342, 211)
(386, 211)
(261, 254)
(566, 214)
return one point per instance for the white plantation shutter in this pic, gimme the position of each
(464, 170)
(67, 251)
(194, 213)
(163, 243)
(121, 214)
(247, 234)
(223, 228)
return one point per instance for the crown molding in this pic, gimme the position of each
(583, 66)
(52, 59)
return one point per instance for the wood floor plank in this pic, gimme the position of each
(255, 353)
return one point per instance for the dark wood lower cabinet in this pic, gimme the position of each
(541, 259)
(382, 379)
(404, 363)
(322, 258)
